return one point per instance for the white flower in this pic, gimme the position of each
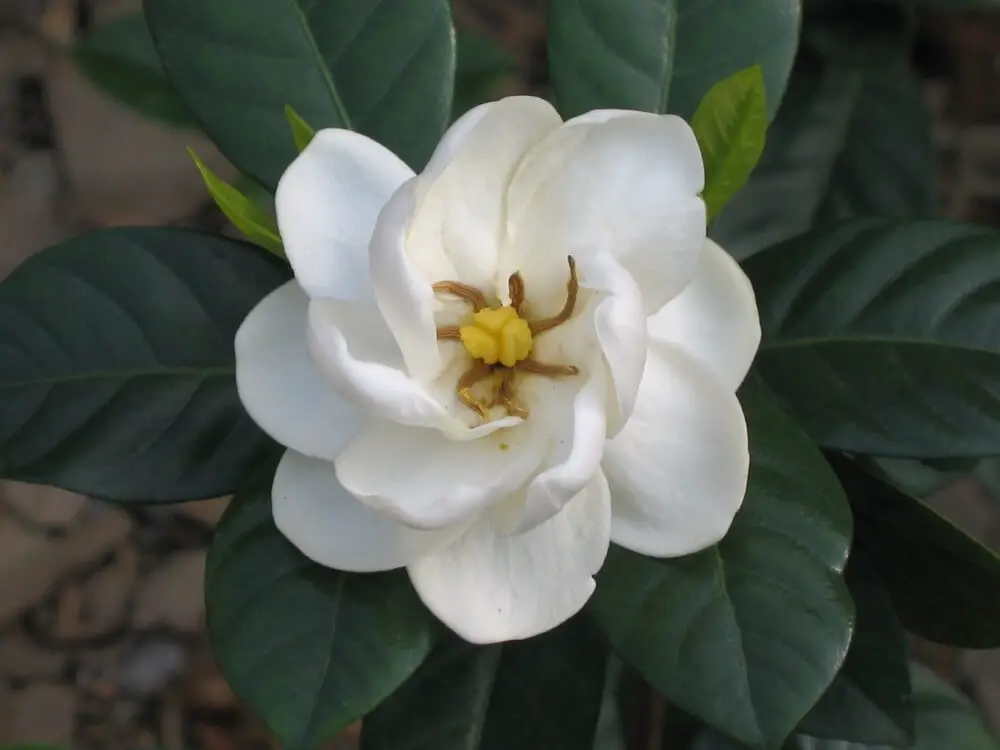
(487, 371)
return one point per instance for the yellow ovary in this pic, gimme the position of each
(497, 334)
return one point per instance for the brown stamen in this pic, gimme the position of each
(469, 293)
(572, 290)
(515, 286)
(549, 371)
(475, 374)
(505, 396)
(448, 333)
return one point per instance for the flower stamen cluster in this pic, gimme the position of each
(500, 340)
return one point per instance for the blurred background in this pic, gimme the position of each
(102, 641)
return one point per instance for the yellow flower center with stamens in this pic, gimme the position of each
(497, 334)
(500, 341)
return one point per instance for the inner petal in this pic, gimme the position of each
(425, 480)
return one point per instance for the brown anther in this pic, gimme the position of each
(572, 290)
(448, 333)
(463, 291)
(550, 371)
(505, 396)
(515, 286)
(475, 374)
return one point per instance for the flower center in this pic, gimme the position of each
(500, 339)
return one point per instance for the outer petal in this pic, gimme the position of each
(626, 184)
(281, 388)
(460, 197)
(715, 318)
(331, 527)
(327, 202)
(426, 480)
(490, 588)
(620, 324)
(678, 471)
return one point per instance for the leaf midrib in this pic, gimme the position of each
(338, 104)
(199, 372)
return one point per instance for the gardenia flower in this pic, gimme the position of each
(487, 372)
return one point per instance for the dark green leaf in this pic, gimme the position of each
(664, 55)
(883, 337)
(941, 581)
(849, 140)
(119, 57)
(921, 478)
(945, 721)
(958, 5)
(310, 648)
(945, 718)
(870, 700)
(746, 635)
(541, 693)
(257, 225)
(611, 54)
(117, 375)
(717, 38)
(382, 67)
(482, 65)
(731, 124)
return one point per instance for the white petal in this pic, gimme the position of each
(331, 527)
(327, 202)
(359, 356)
(490, 588)
(678, 471)
(427, 480)
(575, 453)
(460, 198)
(403, 292)
(715, 318)
(620, 323)
(623, 184)
(281, 388)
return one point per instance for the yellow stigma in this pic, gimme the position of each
(497, 334)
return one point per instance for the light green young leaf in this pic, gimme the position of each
(731, 125)
(302, 131)
(245, 215)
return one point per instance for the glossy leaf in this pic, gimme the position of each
(731, 125)
(941, 581)
(119, 57)
(482, 65)
(260, 228)
(746, 635)
(606, 54)
(117, 375)
(311, 649)
(870, 700)
(945, 720)
(382, 67)
(302, 131)
(849, 140)
(717, 38)
(665, 55)
(883, 337)
(541, 693)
